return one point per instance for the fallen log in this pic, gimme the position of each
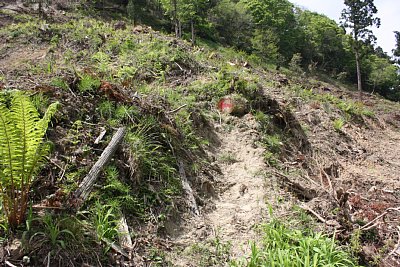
(85, 187)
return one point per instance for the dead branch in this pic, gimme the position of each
(307, 193)
(397, 247)
(371, 223)
(86, 185)
(320, 218)
(177, 109)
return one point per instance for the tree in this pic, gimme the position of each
(358, 16)
(278, 17)
(383, 76)
(231, 23)
(186, 11)
(396, 51)
(322, 41)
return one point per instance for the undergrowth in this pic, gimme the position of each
(282, 246)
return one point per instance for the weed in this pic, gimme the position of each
(88, 83)
(75, 133)
(228, 158)
(106, 109)
(52, 233)
(355, 242)
(213, 252)
(283, 247)
(104, 219)
(102, 60)
(116, 190)
(273, 143)
(338, 124)
(41, 102)
(60, 83)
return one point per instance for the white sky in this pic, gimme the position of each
(388, 12)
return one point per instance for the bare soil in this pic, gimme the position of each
(239, 205)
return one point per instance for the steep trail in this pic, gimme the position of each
(240, 203)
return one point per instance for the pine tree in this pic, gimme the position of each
(358, 16)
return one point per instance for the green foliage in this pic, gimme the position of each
(323, 41)
(282, 246)
(116, 190)
(53, 233)
(60, 83)
(383, 76)
(21, 152)
(104, 218)
(338, 124)
(213, 252)
(232, 24)
(88, 83)
(278, 16)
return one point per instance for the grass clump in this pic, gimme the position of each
(285, 247)
(213, 252)
(338, 124)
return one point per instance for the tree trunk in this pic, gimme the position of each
(86, 185)
(179, 29)
(175, 15)
(193, 33)
(359, 85)
(40, 9)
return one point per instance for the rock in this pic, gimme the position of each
(234, 104)
(120, 25)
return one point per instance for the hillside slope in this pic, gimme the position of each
(306, 152)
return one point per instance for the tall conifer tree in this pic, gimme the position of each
(359, 16)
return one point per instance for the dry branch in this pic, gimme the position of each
(86, 185)
(307, 193)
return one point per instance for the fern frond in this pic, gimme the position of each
(8, 139)
(21, 152)
(25, 117)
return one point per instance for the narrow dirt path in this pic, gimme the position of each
(240, 203)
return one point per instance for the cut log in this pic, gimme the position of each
(233, 104)
(86, 185)
(191, 201)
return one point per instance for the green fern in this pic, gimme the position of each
(21, 152)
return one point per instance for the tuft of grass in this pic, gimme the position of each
(338, 124)
(285, 247)
(213, 252)
(228, 158)
(104, 218)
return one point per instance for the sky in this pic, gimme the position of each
(388, 12)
